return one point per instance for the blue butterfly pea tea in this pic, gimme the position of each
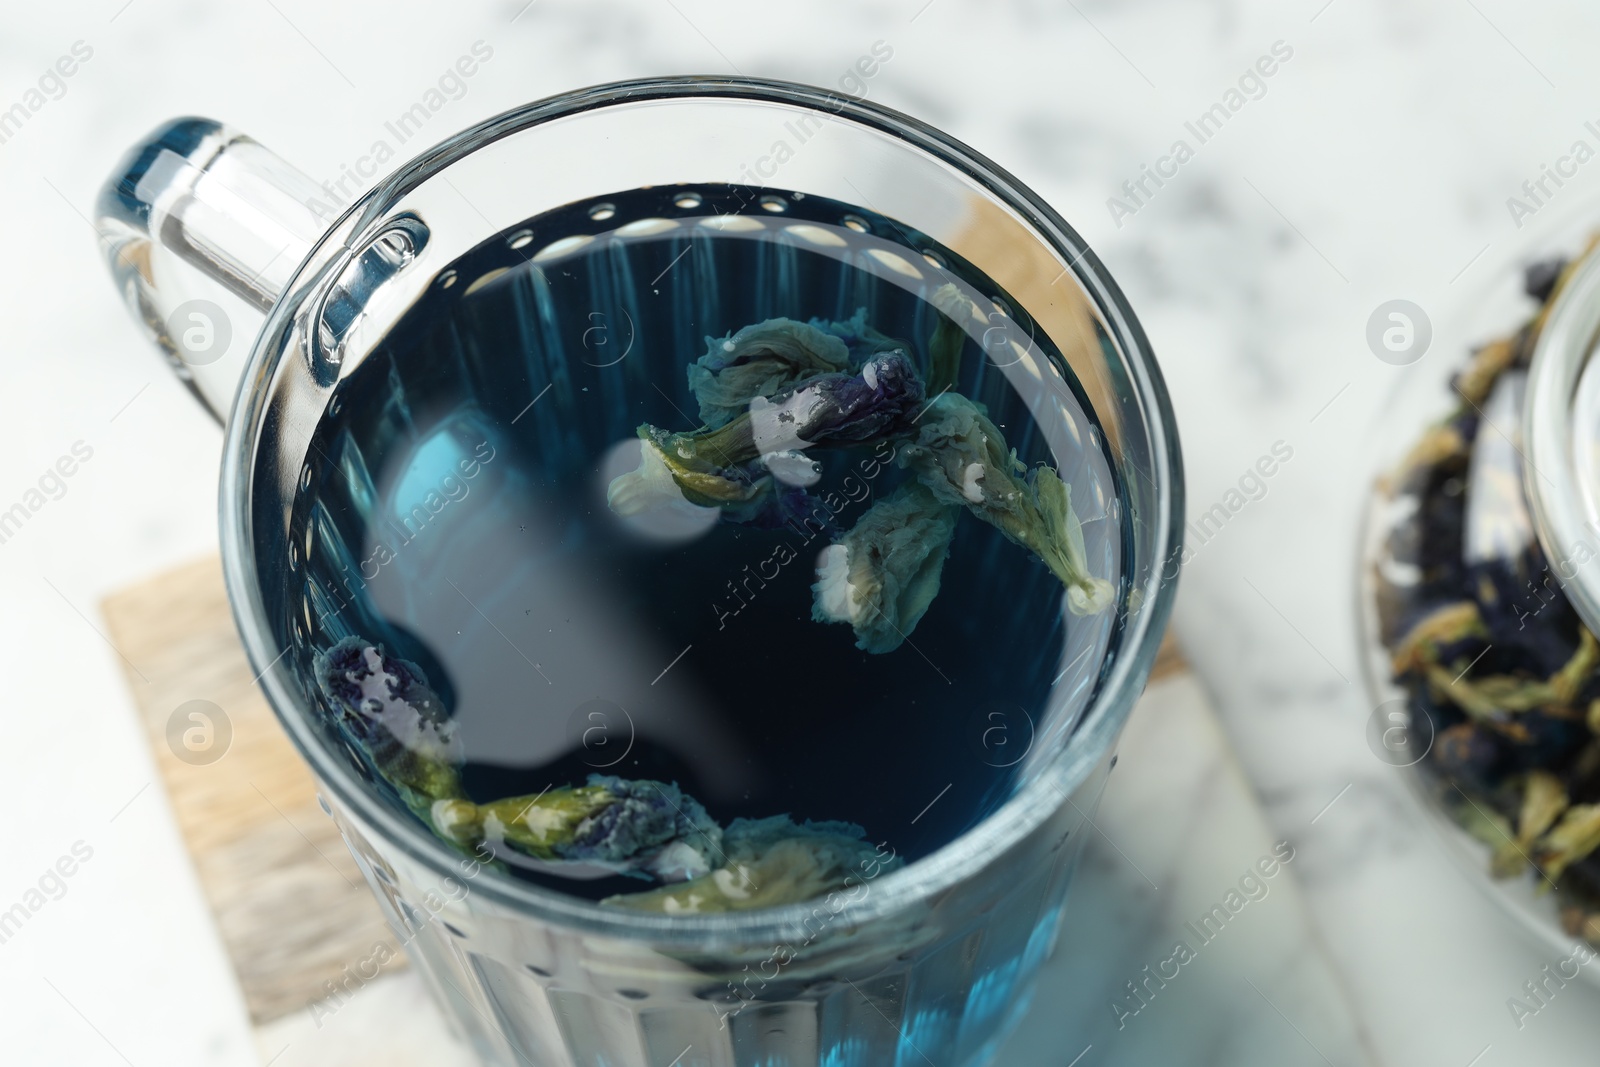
(682, 559)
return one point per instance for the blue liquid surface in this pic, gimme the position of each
(456, 512)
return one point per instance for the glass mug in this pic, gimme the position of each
(211, 238)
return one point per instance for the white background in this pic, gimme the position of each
(1377, 166)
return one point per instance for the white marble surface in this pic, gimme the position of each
(1376, 166)
(1178, 830)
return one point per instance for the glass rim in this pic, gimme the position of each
(1566, 511)
(1034, 800)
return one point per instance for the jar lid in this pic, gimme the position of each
(1561, 432)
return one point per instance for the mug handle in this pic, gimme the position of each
(203, 228)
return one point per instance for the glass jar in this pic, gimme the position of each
(1480, 586)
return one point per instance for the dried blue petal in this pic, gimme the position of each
(862, 340)
(708, 468)
(760, 360)
(771, 862)
(642, 819)
(957, 314)
(963, 458)
(840, 409)
(386, 705)
(882, 575)
(637, 827)
(779, 505)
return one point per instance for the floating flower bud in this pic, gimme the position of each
(840, 409)
(650, 487)
(882, 576)
(638, 827)
(543, 826)
(642, 828)
(769, 862)
(643, 818)
(827, 410)
(963, 458)
(760, 360)
(386, 705)
(673, 472)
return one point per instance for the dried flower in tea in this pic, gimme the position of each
(646, 829)
(771, 391)
(882, 575)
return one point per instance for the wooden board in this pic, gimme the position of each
(287, 898)
(290, 905)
